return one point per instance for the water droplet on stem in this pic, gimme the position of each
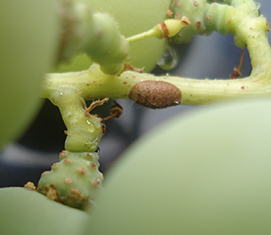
(169, 60)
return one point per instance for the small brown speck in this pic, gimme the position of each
(67, 160)
(63, 152)
(103, 128)
(93, 165)
(82, 171)
(198, 24)
(68, 180)
(96, 182)
(89, 155)
(54, 166)
(75, 191)
(124, 83)
(195, 3)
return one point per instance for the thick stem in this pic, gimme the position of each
(93, 84)
(242, 20)
(83, 132)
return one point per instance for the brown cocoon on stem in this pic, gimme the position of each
(155, 94)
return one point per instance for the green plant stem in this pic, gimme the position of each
(93, 84)
(83, 132)
(243, 21)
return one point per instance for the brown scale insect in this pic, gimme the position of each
(155, 94)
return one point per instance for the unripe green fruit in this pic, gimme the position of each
(134, 17)
(106, 47)
(195, 12)
(74, 180)
(29, 31)
(206, 172)
(26, 212)
(78, 63)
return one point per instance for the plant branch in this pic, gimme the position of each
(249, 29)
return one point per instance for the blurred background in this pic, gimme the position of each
(214, 56)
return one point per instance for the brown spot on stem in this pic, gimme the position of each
(198, 24)
(63, 153)
(92, 165)
(82, 171)
(103, 128)
(67, 160)
(54, 166)
(68, 180)
(96, 182)
(89, 155)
